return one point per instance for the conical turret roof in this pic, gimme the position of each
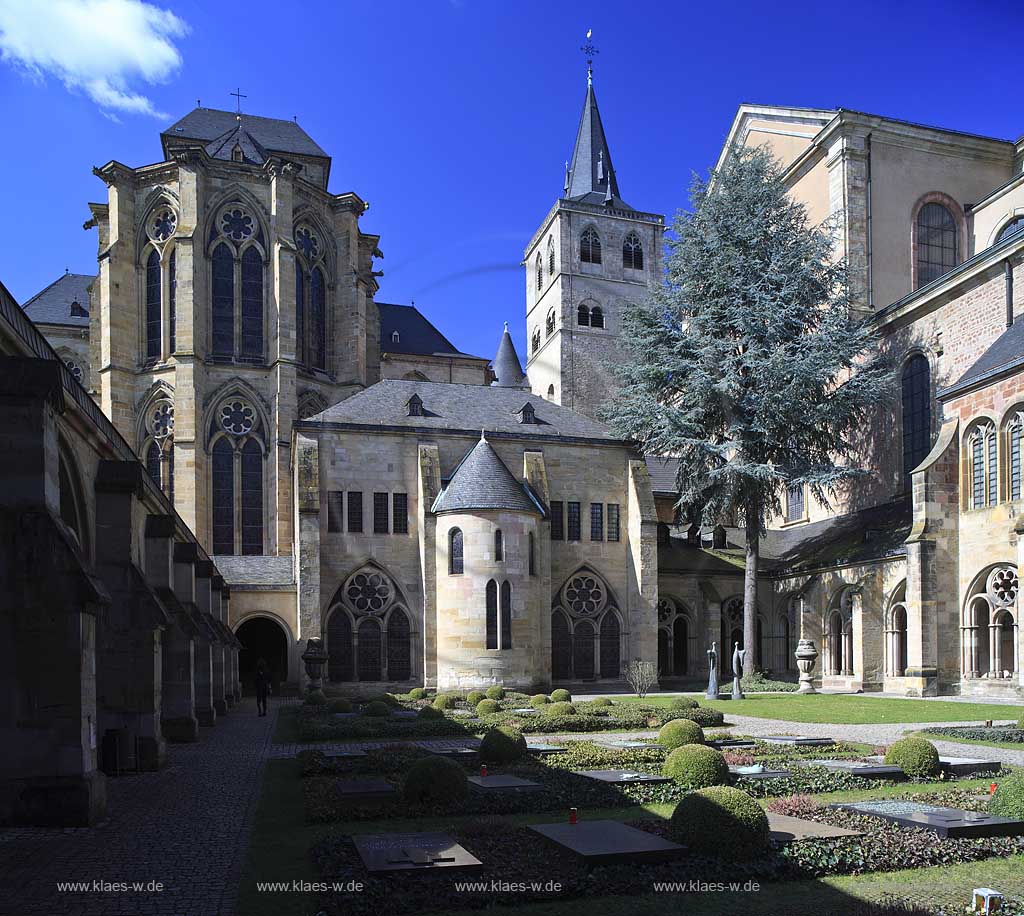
(483, 481)
(506, 366)
(591, 177)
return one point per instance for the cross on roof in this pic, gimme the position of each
(238, 98)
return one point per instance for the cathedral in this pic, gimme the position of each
(320, 463)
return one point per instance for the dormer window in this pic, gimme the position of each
(395, 337)
(77, 311)
(527, 414)
(236, 154)
(415, 405)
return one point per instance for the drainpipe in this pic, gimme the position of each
(1008, 268)
(871, 293)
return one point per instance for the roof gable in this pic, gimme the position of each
(56, 304)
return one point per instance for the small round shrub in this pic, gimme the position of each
(683, 703)
(696, 767)
(703, 716)
(444, 701)
(602, 701)
(1008, 800)
(431, 712)
(539, 699)
(389, 698)
(435, 781)
(340, 704)
(502, 745)
(560, 708)
(487, 707)
(561, 696)
(475, 696)
(915, 756)
(495, 693)
(720, 821)
(377, 709)
(679, 732)
(418, 693)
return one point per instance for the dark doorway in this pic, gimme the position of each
(262, 638)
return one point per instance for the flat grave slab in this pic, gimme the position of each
(627, 744)
(607, 842)
(461, 713)
(946, 822)
(387, 852)
(961, 766)
(344, 753)
(752, 773)
(499, 783)
(800, 740)
(364, 789)
(786, 829)
(720, 743)
(526, 711)
(621, 777)
(543, 750)
(455, 752)
(868, 770)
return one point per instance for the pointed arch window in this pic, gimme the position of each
(317, 316)
(310, 301)
(399, 646)
(223, 498)
(561, 647)
(153, 318)
(158, 444)
(549, 323)
(492, 615)
(455, 547)
(1014, 444)
(237, 459)
(535, 341)
(983, 471)
(340, 656)
(153, 462)
(551, 256)
(936, 242)
(238, 287)
(499, 546)
(917, 414)
(610, 648)
(531, 540)
(172, 293)
(583, 315)
(590, 246)
(252, 302)
(632, 252)
(223, 307)
(506, 615)
(368, 656)
(540, 273)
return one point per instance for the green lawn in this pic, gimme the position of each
(1005, 745)
(847, 710)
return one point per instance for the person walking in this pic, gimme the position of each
(262, 687)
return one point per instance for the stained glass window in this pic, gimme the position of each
(613, 521)
(506, 615)
(557, 520)
(917, 415)
(610, 648)
(252, 498)
(369, 649)
(573, 533)
(317, 320)
(936, 243)
(223, 497)
(492, 615)
(355, 511)
(597, 521)
(399, 647)
(380, 513)
(632, 252)
(455, 558)
(590, 246)
(153, 462)
(300, 313)
(223, 302)
(583, 638)
(252, 303)
(153, 306)
(172, 305)
(339, 647)
(400, 513)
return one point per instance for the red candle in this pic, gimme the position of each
(572, 815)
(483, 769)
(992, 789)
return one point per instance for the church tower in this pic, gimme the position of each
(592, 254)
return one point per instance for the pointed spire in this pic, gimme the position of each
(591, 170)
(507, 369)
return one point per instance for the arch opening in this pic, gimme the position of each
(262, 639)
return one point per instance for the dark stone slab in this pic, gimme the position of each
(969, 766)
(868, 770)
(736, 771)
(625, 744)
(364, 789)
(387, 852)
(946, 822)
(456, 752)
(720, 743)
(608, 842)
(799, 740)
(785, 829)
(621, 777)
(526, 711)
(501, 783)
(543, 750)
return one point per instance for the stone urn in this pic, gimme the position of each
(315, 658)
(806, 656)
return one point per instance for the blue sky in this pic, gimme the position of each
(454, 117)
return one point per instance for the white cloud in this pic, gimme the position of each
(99, 47)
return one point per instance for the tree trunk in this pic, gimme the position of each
(753, 552)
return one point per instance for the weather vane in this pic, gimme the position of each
(238, 98)
(590, 51)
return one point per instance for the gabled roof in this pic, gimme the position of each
(416, 335)
(272, 134)
(591, 177)
(508, 371)
(223, 147)
(1004, 355)
(483, 481)
(53, 305)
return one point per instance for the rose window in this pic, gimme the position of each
(369, 592)
(237, 224)
(1002, 586)
(307, 242)
(164, 222)
(76, 370)
(584, 595)
(161, 421)
(665, 610)
(237, 418)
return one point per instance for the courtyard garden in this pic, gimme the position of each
(540, 804)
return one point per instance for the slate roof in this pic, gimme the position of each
(1005, 353)
(248, 571)
(591, 171)
(223, 147)
(52, 305)
(507, 369)
(272, 134)
(483, 481)
(680, 556)
(461, 409)
(663, 474)
(416, 335)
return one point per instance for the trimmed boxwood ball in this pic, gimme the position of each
(539, 699)
(435, 781)
(703, 716)
(389, 698)
(444, 701)
(696, 766)
(721, 821)
(340, 704)
(431, 712)
(1008, 800)
(915, 756)
(377, 709)
(683, 703)
(496, 692)
(602, 701)
(560, 709)
(561, 696)
(679, 732)
(502, 745)
(475, 696)
(418, 693)
(487, 707)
